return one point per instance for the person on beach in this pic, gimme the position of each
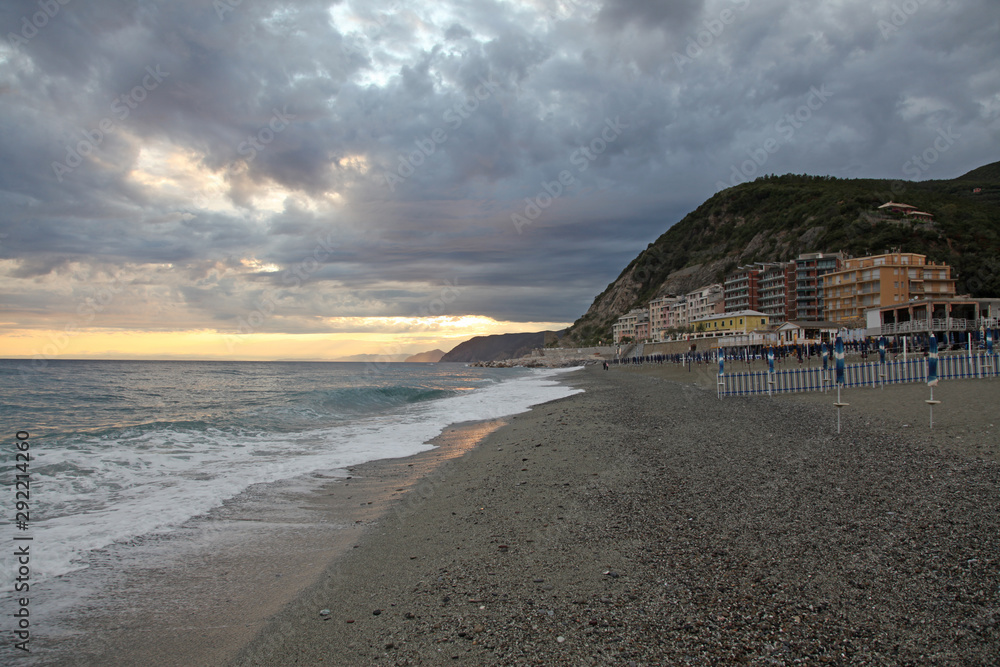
(605, 365)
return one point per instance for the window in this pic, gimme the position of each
(762, 321)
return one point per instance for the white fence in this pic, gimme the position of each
(871, 374)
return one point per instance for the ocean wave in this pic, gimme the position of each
(353, 400)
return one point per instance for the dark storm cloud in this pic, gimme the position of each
(346, 159)
(669, 14)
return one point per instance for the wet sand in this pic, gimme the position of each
(646, 522)
(198, 596)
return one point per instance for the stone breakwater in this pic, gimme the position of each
(645, 522)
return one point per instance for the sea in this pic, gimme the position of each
(124, 450)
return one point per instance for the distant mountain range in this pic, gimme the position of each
(433, 356)
(775, 218)
(381, 358)
(497, 347)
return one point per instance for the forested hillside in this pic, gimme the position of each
(775, 218)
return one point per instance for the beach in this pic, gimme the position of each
(646, 522)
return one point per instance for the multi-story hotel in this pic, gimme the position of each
(783, 290)
(704, 301)
(809, 271)
(631, 325)
(740, 289)
(664, 314)
(774, 285)
(882, 280)
(668, 312)
(813, 287)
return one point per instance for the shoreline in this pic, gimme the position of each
(644, 521)
(197, 597)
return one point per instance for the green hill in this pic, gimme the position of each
(775, 218)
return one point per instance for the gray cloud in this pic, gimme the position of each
(401, 138)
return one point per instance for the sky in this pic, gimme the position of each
(253, 179)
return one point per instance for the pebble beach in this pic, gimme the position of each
(646, 522)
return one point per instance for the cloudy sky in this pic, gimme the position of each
(262, 179)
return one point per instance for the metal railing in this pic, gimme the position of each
(869, 374)
(923, 326)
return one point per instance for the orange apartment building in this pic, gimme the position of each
(880, 281)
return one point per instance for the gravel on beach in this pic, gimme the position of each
(646, 522)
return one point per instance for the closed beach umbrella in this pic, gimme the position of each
(838, 354)
(825, 353)
(770, 360)
(881, 350)
(932, 363)
(722, 362)
(989, 341)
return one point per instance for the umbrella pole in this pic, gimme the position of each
(931, 403)
(839, 404)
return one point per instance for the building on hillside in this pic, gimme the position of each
(809, 271)
(741, 289)
(880, 281)
(663, 315)
(630, 325)
(895, 207)
(704, 301)
(741, 321)
(642, 332)
(776, 281)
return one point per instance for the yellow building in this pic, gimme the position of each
(880, 281)
(742, 321)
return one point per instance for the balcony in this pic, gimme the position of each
(925, 326)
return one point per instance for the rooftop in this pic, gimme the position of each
(738, 313)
